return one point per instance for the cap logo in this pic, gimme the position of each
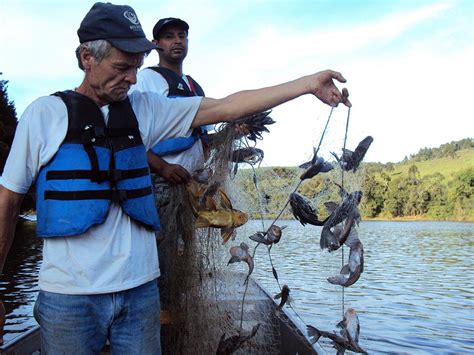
(129, 15)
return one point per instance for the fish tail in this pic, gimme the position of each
(313, 333)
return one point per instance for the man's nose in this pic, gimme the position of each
(131, 76)
(178, 39)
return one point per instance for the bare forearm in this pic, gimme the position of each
(249, 102)
(156, 163)
(10, 203)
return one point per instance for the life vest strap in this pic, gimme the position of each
(115, 195)
(110, 175)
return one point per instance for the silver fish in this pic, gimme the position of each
(284, 295)
(202, 176)
(348, 208)
(303, 211)
(255, 125)
(247, 155)
(350, 273)
(233, 343)
(314, 167)
(271, 236)
(348, 340)
(241, 253)
(335, 238)
(350, 160)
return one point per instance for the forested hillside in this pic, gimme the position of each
(434, 184)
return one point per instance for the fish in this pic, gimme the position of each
(335, 238)
(203, 175)
(233, 343)
(241, 253)
(348, 208)
(350, 160)
(271, 236)
(249, 155)
(212, 208)
(303, 211)
(226, 220)
(255, 125)
(350, 273)
(349, 338)
(284, 295)
(314, 167)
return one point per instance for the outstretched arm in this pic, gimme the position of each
(249, 102)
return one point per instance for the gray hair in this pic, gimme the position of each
(99, 49)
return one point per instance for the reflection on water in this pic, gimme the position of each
(19, 282)
(414, 297)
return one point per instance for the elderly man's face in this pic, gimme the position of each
(174, 42)
(110, 80)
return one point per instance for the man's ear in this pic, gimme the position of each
(86, 58)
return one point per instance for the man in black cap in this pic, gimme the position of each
(86, 150)
(173, 160)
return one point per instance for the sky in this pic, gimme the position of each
(408, 64)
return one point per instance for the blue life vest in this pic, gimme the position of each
(94, 165)
(179, 88)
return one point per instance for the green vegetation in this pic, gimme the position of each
(8, 123)
(434, 184)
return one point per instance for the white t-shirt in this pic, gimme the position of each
(118, 254)
(150, 80)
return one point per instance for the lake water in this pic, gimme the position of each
(415, 296)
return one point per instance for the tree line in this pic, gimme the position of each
(433, 190)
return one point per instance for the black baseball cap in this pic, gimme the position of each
(118, 24)
(166, 21)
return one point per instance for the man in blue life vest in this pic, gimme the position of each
(86, 150)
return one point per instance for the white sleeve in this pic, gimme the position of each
(40, 131)
(150, 80)
(160, 117)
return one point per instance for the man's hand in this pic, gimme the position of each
(323, 87)
(172, 173)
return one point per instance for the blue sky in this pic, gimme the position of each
(408, 63)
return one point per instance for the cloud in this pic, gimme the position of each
(408, 71)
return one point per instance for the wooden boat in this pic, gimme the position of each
(288, 339)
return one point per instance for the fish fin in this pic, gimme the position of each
(306, 165)
(258, 237)
(345, 270)
(336, 156)
(225, 201)
(331, 206)
(233, 259)
(201, 222)
(337, 280)
(210, 204)
(226, 234)
(313, 333)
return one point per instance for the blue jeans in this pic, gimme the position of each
(81, 324)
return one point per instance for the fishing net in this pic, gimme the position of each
(208, 307)
(202, 297)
